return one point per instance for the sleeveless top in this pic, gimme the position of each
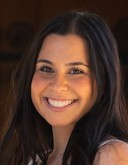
(39, 162)
(109, 141)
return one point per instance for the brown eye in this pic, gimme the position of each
(76, 71)
(46, 69)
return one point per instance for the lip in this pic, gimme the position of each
(59, 109)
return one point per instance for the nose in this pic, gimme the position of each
(59, 83)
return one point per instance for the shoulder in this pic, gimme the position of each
(113, 153)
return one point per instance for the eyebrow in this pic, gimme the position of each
(77, 63)
(69, 64)
(45, 61)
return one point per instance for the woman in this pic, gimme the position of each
(68, 106)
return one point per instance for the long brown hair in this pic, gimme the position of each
(29, 134)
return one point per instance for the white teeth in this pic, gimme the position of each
(56, 103)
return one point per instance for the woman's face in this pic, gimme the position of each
(62, 88)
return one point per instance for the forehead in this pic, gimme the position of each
(64, 46)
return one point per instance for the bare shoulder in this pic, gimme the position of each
(112, 153)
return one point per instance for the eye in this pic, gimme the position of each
(46, 69)
(76, 71)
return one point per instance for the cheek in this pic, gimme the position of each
(38, 82)
(37, 86)
(82, 85)
(86, 89)
(34, 87)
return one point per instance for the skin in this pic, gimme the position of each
(63, 74)
(113, 153)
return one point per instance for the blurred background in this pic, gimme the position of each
(21, 19)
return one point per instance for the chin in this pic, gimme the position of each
(60, 124)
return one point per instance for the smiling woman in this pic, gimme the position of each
(62, 81)
(68, 107)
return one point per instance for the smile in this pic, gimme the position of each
(59, 103)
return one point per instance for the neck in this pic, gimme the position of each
(61, 136)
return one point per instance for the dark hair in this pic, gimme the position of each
(29, 134)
